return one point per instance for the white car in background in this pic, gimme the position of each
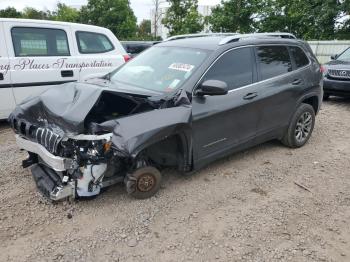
(36, 54)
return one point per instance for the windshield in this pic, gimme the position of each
(345, 56)
(161, 69)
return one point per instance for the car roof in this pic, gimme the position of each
(48, 22)
(218, 42)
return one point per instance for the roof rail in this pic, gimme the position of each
(237, 37)
(177, 37)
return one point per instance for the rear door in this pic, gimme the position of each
(7, 102)
(40, 57)
(280, 87)
(99, 52)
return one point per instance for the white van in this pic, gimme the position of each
(35, 54)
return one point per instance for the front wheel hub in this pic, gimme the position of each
(146, 182)
(143, 182)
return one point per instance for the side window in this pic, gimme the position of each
(30, 41)
(93, 43)
(235, 68)
(273, 61)
(299, 56)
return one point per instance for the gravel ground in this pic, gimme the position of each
(247, 207)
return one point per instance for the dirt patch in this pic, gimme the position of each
(246, 207)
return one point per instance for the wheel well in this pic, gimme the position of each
(167, 153)
(312, 101)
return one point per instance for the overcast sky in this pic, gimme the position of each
(140, 7)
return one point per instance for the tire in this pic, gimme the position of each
(300, 127)
(143, 183)
(325, 96)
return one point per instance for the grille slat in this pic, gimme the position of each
(339, 73)
(42, 136)
(48, 139)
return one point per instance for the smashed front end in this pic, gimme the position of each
(92, 138)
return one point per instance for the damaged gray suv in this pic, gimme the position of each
(180, 104)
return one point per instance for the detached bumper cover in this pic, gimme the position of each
(50, 185)
(56, 163)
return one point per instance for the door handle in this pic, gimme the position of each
(1, 76)
(250, 96)
(67, 73)
(297, 82)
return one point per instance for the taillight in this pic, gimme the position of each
(126, 58)
(323, 70)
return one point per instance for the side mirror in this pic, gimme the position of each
(212, 88)
(334, 57)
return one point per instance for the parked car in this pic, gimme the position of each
(180, 104)
(133, 48)
(36, 54)
(337, 75)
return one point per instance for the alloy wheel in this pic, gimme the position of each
(303, 127)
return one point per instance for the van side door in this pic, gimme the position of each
(98, 52)
(7, 101)
(40, 57)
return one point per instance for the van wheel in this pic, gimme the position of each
(301, 127)
(143, 183)
(325, 96)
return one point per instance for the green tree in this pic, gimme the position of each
(66, 13)
(182, 17)
(144, 29)
(235, 16)
(312, 19)
(10, 12)
(343, 22)
(32, 13)
(115, 15)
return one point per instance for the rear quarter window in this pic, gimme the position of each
(300, 58)
(31, 41)
(93, 43)
(273, 61)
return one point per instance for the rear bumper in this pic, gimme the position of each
(55, 162)
(336, 87)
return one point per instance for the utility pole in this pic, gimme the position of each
(157, 15)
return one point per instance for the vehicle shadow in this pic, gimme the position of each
(4, 125)
(172, 177)
(335, 100)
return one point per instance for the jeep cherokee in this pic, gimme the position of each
(180, 104)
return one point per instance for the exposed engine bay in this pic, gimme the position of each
(94, 137)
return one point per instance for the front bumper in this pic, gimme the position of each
(336, 87)
(50, 184)
(55, 162)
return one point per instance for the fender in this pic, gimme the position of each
(133, 134)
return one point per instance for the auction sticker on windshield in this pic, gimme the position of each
(181, 67)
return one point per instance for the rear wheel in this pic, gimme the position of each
(144, 182)
(301, 127)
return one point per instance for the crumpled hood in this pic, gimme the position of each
(62, 108)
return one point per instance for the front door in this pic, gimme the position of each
(221, 123)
